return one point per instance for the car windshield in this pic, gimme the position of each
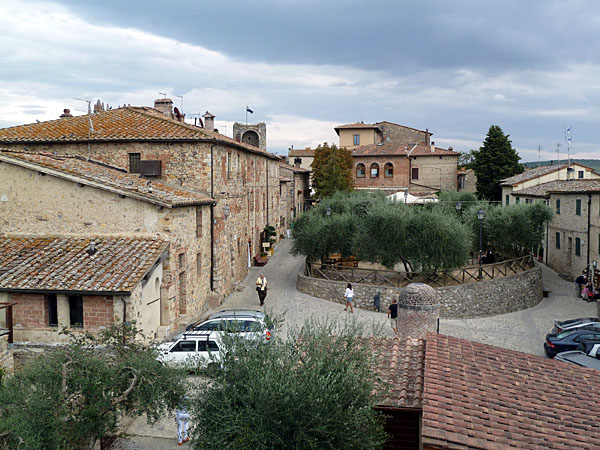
(564, 334)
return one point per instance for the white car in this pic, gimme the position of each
(193, 349)
(249, 324)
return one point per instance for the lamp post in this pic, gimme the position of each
(458, 207)
(328, 211)
(480, 216)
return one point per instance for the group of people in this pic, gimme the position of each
(585, 288)
(392, 310)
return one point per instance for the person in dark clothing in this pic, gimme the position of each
(393, 316)
(377, 301)
(580, 281)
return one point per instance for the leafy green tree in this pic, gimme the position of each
(332, 170)
(516, 230)
(313, 389)
(72, 397)
(465, 159)
(494, 161)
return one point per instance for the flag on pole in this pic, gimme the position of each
(249, 110)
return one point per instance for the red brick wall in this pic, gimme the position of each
(97, 312)
(400, 178)
(31, 310)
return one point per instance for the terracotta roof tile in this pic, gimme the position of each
(308, 152)
(399, 149)
(129, 123)
(356, 125)
(89, 171)
(562, 187)
(399, 369)
(477, 396)
(282, 163)
(530, 174)
(61, 263)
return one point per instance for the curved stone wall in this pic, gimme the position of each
(487, 298)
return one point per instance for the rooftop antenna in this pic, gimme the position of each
(539, 155)
(163, 93)
(569, 141)
(224, 129)
(90, 125)
(181, 97)
(558, 159)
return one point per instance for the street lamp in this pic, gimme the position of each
(328, 211)
(480, 216)
(458, 207)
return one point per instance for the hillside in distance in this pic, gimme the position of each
(593, 163)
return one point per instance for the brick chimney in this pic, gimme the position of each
(165, 106)
(432, 147)
(66, 113)
(209, 121)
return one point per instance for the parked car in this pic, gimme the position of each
(590, 347)
(252, 324)
(579, 358)
(568, 339)
(193, 349)
(575, 323)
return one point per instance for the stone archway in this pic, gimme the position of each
(250, 137)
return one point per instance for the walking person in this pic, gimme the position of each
(182, 416)
(393, 315)
(261, 288)
(348, 295)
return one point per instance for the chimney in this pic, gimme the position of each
(209, 121)
(432, 147)
(165, 106)
(66, 113)
(98, 107)
(451, 148)
(427, 134)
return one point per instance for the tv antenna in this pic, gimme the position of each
(539, 155)
(569, 142)
(163, 93)
(181, 97)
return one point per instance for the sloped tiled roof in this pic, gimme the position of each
(399, 149)
(129, 123)
(103, 177)
(307, 152)
(562, 186)
(531, 174)
(399, 367)
(356, 125)
(61, 263)
(477, 396)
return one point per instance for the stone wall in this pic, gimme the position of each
(402, 134)
(435, 172)
(487, 298)
(6, 356)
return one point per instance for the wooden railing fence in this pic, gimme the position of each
(383, 277)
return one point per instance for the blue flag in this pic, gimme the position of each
(249, 110)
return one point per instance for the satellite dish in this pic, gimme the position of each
(177, 113)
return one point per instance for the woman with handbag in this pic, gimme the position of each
(261, 288)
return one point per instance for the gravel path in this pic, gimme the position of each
(523, 330)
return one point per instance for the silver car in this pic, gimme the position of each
(251, 324)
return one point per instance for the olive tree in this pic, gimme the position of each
(75, 395)
(312, 389)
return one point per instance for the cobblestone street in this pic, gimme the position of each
(523, 330)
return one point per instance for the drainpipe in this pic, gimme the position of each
(589, 231)
(267, 163)
(212, 221)
(547, 240)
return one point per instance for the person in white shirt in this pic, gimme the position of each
(348, 296)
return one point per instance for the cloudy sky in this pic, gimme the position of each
(305, 66)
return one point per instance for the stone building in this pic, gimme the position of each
(45, 195)
(541, 175)
(393, 167)
(241, 180)
(251, 134)
(295, 190)
(77, 283)
(360, 134)
(466, 180)
(302, 158)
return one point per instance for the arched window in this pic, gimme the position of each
(388, 170)
(360, 170)
(374, 170)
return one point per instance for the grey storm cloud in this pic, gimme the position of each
(304, 67)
